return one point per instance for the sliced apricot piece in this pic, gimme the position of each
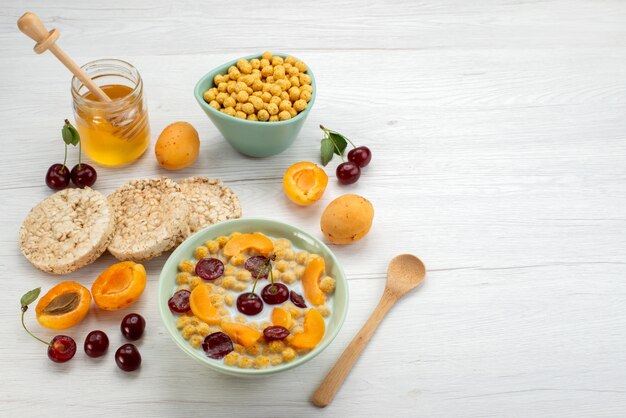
(314, 329)
(201, 306)
(282, 318)
(310, 281)
(241, 334)
(242, 242)
(64, 306)
(119, 286)
(304, 183)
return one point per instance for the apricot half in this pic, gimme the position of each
(119, 286)
(310, 281)
(242, 242)
(282, 318)
(241, 334)
(64, 306)
(304, 183)
(314, 329)
(201, 306)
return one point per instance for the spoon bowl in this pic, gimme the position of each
(404, 273)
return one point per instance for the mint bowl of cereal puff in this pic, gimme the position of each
(258, 103)
(251, 297)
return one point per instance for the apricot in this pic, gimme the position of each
(314, 329)
(201, 306)
(64, 306)
(241, 334)
(310, 281)
(347, 219)
(304, 183)
(242, 242)
(282, 318)
(119, 286)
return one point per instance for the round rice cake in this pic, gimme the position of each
(151, 218)
(67, 230)
(210, 201)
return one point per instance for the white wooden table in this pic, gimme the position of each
(498, 131)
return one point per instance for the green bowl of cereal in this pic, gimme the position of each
(204, 297)
(258, 103)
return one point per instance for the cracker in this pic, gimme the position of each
(67, 230)
(151, 218)
(210, 201)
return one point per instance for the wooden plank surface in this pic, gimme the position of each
(498, 131)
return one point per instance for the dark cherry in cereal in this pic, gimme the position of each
(209, 268)
(179, 302)
(275, 332)
(257, 266)
(297, 299)
(274, 294)
(249, 303)
(217, 345)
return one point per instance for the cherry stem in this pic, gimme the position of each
(24, 309)
(65, 158)
(259, 274)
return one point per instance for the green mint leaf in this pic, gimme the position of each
(327, 151)
(30, 296)
(340, 143)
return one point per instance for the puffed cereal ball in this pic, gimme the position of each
(263, 115)
(288, 277)
(255, 63)
(279, 71)
(204, 329)
(182, 278)
(240, 287)
(276, 100)
(252, 117)
(229, 299)
(323, 310)
(254, 350)
(299, 105)
(243, 276)
(276, 346)
(248, 108)
(284, 95)
(289, 354)
(305, 95)
(256, 102)
(228, 282)
(275, 90)
(307, 87)
(242, 96)
(233, 73)
(257, 85)
(201, 252)
(196, 341)
(274, 118)
(245, 362)
(300, 66)
(210, 95)
(229, 102)
(293, 112)
(231, 358)
(267, 55)
(284, 115)
(188, 331)
(186, 266)
(244, 66)
(261, 362)
(276, 60)
(327, 285)
(284, 105)
(266, 96)
(290, 60)
(267, 71)
(272, 108)
(239, 114)
(283, 84)
(182, 322)
(215, 105)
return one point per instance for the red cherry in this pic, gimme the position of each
(249, 303)
(348, 172)
(83, 175)
(274, 294)
(96, 343)
(128, 358)
(58, 177)
(132, 326)
(179, 302)
(361, 156)
(61, 349)
(209, 268)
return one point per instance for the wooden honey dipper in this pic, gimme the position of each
(31, 26)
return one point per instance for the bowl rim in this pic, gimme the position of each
(204, 105)
(220, 367)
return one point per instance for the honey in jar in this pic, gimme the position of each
(117, 132)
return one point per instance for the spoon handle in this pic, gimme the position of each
(334, 379)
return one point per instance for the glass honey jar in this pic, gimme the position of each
(117, 132)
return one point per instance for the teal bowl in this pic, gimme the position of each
(300, 239)
(252, 138)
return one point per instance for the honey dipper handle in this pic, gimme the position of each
(30, 24)
(334, 379)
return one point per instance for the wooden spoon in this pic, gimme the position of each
(405, 272)
(30, 24)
